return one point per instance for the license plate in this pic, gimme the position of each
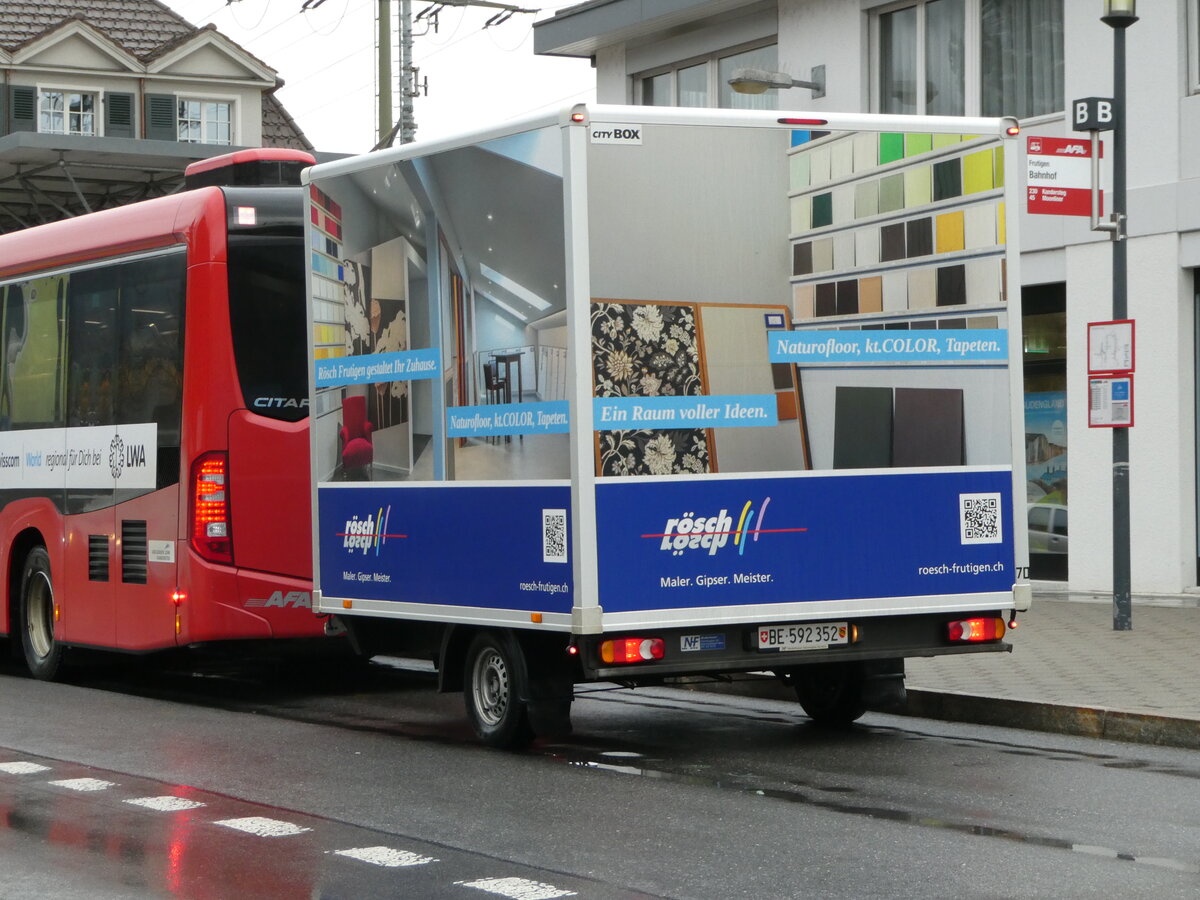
(812, 636)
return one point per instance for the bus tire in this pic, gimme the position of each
(494, 683)
(832, 693)
(43, 654)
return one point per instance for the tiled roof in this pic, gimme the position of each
(279, 129)
(139, 26)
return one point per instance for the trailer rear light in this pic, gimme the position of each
(211, 536)
(632, 650)
(973, 631)
(803, 121)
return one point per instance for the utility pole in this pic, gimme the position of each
(408, 75)
(388, 130)
(383, 46)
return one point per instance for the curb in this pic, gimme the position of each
(1080, 721)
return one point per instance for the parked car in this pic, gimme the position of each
(1047, 528)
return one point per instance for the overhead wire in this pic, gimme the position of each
(233, 15)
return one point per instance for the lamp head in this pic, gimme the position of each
(1119, 13)
(750, 80)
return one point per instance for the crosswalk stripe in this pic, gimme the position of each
(84, 784)
(517, 888)
(22, 768)
(263, 827)
(165, 804)
(385, 856)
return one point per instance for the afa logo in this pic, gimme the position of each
(712, 533)
(368, 533)
(282, 600)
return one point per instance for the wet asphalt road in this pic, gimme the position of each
(285, 782)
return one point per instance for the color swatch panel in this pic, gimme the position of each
(895, 222)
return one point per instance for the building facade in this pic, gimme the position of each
(1023, 58)
(101, 104)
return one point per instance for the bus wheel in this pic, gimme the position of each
(494, 683)
(43, 654)
(831, 694)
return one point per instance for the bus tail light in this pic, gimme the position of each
(974, 631)
(631, 650)
(211, 536)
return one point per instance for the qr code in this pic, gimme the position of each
(554, 535)
(979, 518)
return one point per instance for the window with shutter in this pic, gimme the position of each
(118, 115)
(160, 117)
(23, 108)
(66, 112)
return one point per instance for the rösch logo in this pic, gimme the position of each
(368, 533)
(710, 533)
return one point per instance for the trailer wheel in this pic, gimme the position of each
(494, 682)
(830, 694)
(43, 654)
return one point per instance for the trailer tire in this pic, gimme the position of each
(494, 682)
(830, 694)
(43, 654)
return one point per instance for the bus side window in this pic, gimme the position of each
(150, 383)
(5, 387)
(34, 319)
(92, 342)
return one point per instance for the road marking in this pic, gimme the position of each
(84, 784)
(517, 888)
(165, 804)
(385, 856)
(22, 768)
(262, 827)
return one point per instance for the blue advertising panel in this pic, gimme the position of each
(717, 542)
(499, 547)
(957, 346)
(722, 411)
(372, 368)
(544, 417)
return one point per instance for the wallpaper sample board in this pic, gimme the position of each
(862, 428)
(927, 427)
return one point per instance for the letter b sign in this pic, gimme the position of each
(1092, 114)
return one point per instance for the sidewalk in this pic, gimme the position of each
(1069, 672)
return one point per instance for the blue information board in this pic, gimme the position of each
(717, 542)
(502, 547)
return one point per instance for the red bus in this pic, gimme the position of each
(153, 421)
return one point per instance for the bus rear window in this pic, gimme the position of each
(267, 315)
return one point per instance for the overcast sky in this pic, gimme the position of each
(326, 56)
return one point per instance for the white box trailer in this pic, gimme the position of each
(629, 394)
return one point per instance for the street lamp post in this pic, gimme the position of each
(1119, 15)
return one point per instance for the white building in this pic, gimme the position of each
(101, 104)
(1027, 58)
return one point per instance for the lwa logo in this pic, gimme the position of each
(711, 533)
(121, 456)
(369, 532)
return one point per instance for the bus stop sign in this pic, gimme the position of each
(1092, 114)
